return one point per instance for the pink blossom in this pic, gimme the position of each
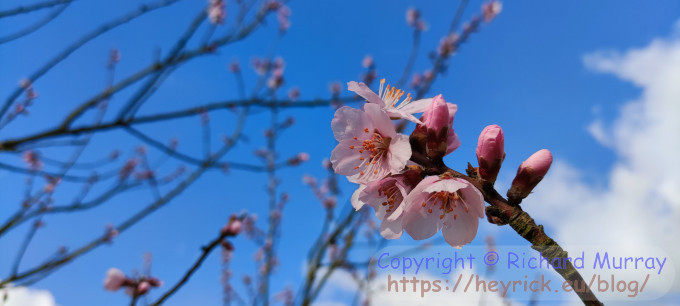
(414, 19)
(369, 147)
(448, 44)
(490, 152)
(276, 79)
(367, 62)
(261, 66)
(386, 196)
(216, 11)
(232, 228)
(491, 9)
(428, 75)
(52, 182)
(450, 204)
(417, 80)
(299, 158)
(272, 5)
(388, 99)
(326, 164)
(114, 57)
(114, 279)
(25, 84)
(529, 174)
(303, 156)
(33, 160)
(309, 180)
(330, 202)
(335, 88)
(294, 94)
(143, 288)
(412, 15)
(283, 16)
(234, 66)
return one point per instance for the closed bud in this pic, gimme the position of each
(529, 174)
(233, 228)
(436, 120)
(143, 288)
(490, 152)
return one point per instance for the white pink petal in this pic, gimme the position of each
(450, 204)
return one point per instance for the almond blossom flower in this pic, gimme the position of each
(369, 147)
(388, 99)
(450, 204)
(386, 197)
(115, 279)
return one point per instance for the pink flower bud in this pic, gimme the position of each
(436, 128)
(283, 16)
(234, 66)
(303, 156)
(367, 62)
(226, 245)
(233, 228)
(216, 12)
(437, 116)
(529, 174)
(143, 288)
(114, 279)
(490, 152)
(335, 88)
(294, 93)
(491, 9)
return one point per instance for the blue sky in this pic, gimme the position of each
(524, 71)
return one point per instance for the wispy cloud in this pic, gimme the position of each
(22, 296)
(640, 204)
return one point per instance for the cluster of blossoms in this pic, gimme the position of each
(396, 174)
(116, 279)
(216, 11)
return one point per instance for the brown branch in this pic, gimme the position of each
(320, 251)
(206, 250)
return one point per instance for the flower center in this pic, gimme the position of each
(392, 194)
(391, 95)
(447, 202)
(371, 151)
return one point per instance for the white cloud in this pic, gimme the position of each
(640, 204)
(22, 296)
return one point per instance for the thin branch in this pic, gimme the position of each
(143, 9)
(49, 267)
(33, 7)
(13, 144)
(411, 59)
(206, 250)
(34, 27)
